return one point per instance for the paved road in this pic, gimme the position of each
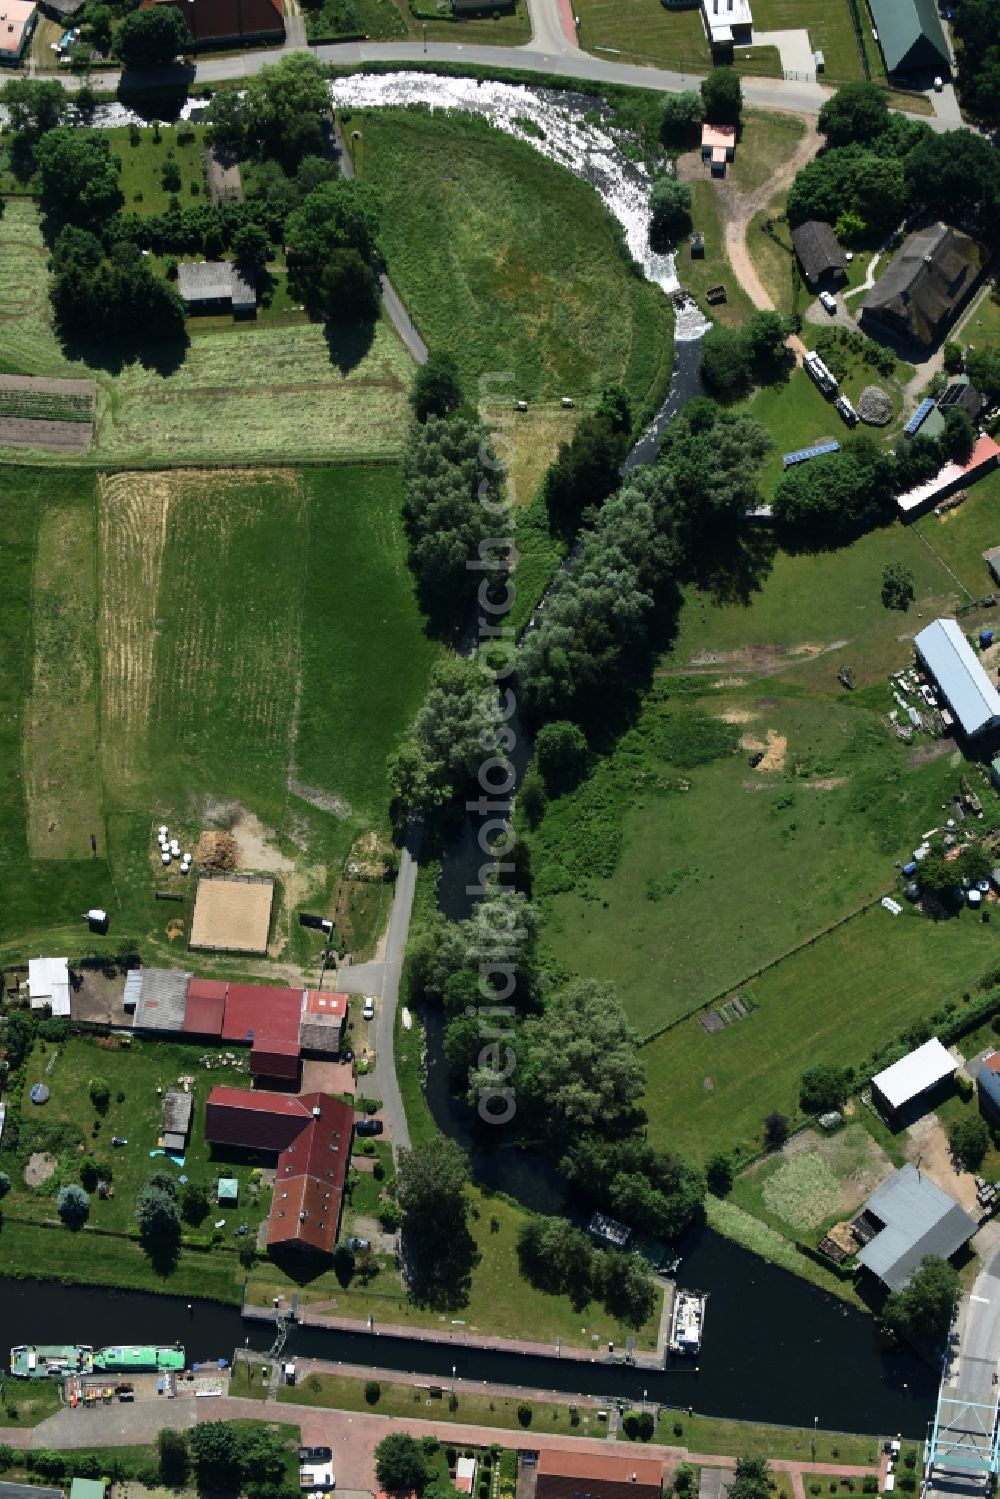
(382, 977)
(971, 1377)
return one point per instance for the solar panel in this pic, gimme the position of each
(921, 414)
(803, 454)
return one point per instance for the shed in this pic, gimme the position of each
(48, 984)
(175, 1120)
(819, 251)
(913, 1075)
(912, 1218)
(961, 680)
(216, 286)
(87, 1488)
(995, 779)
(910, 35)
(465, 1475)
(963, 394)
(950, 478)
(718, 139)
(229, 1189)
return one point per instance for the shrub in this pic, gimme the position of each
(373, 1391)
(100, 1094)
(630, 1425)
(6, 1457)
(869, 1484)
(524, 1413)
(72, 1205)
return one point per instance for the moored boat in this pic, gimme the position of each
(135, 1358)
(687, 1321)
(50, 1360)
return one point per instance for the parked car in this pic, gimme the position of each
(369, 1127)
(829, 301)
(938, 84)
(357, 1243)
(369, 1009)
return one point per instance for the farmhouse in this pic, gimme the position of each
(568, 1475)
(48, 984)
(230, 23)
(948, 657)
(214, 286)
(311, 1137)
(17, 23)
(910, 35)
(906, 1218)
(819, 252)
(925, 284)
(951, 477)
(913, 1076)
(718, 145)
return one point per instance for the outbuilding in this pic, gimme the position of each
(911, 36)
(913, 1076)
(906, 1218)
(48, 984)
(819, 252)
(947, 656)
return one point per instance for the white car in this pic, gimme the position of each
(938, 84)
(369, 1009)
(829, 301)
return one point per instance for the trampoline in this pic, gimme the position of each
(39, 1093)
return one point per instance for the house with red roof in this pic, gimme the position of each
(311, 1138)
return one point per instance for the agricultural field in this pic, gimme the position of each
(229, 658)
(513, 264)
(243, 393)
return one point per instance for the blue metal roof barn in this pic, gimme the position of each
(951, 661)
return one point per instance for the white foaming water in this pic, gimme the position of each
(568, 135)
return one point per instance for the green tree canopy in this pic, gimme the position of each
(823, 1087)
(216, 1447)
(858, 112)
(430, 1188)
(400, 1465)
(72, 1205)
(174, 1459)
(752, 1479)
(561, 753)
(334, 219)
(444, 749)
(969, 1139)
(954, 175)
(437, 390)
(722, 96)
(77, 178)
(897, 586)
(156, 1212)
(921, 1313)
(680, 116)
(152, 37)
(669, 209)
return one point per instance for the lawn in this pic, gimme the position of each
(144, 158)
(830, 30)
(232, 653)
(399, 1401)
(722, 1438)
(500, 1301)
(243, 393)
(512, 264)
(961, 536)
(337, 20)
(640, 31)
(815, 1182)
(837, 1001)
(714, 269)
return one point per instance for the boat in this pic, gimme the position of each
(134, 1358)
(50, 1360)
(687, 1321)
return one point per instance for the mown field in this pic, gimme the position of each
(668, 38)
(512, 264)
(657, 846)
(246, 393)
(237, 622)
(961, 536)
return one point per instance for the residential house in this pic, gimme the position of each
(925, 283)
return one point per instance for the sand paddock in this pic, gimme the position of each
(232, 915)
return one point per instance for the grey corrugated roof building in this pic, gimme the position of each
(949, 658)
(162, 1000)
(28, 1491)
(175, 1119)
(205, 285)
(924, 284)
(910, 35)
(918, 1219)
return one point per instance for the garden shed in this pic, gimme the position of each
(913, 1076)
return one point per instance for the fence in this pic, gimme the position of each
(859, 37)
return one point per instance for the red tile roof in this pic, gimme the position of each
(253, 1121)
(256, 1012)
(206, 1006)
(605, 1470)
(993, 1062)
(309, 1181)
(322, 1002)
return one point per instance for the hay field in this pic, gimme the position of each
(243, 394)
(62, 783)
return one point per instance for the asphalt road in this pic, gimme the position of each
(382, 977)
(971, 1378)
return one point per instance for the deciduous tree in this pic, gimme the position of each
(152, 36)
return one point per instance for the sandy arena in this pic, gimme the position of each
(232, 915)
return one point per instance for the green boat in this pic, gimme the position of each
(136, 1358)
(50, 1360)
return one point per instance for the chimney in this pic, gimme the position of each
(317, 1111)
(303, 1216)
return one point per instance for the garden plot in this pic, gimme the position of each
(820, 1178)
(57, 415)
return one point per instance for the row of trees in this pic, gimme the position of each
(439, 758)
(560, 1259)
(974, 26)
(587, 469)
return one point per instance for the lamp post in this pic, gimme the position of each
(813, 1442)
(424, 24)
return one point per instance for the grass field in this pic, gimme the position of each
(512, 264)
(341, 1392)
(961, 536)
(830, 29)
(245, 394)
(639, 32)
(141, 177)
(499, 1303)
(233, 649)
(742, 1439)
(837, 1001)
